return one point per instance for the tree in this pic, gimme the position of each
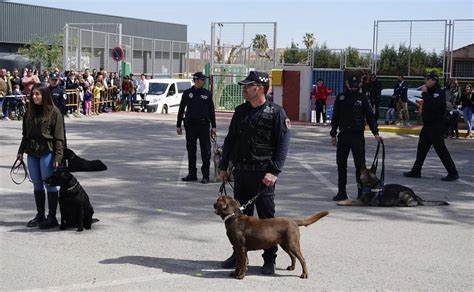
(47, 51)
(260, 45)
(293, 55)
(308, 40)
(326, 58)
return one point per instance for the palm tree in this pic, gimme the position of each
(308, 40)
(260, 44)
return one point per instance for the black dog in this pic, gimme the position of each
(393, 195)
(76, 209)
(75, 163)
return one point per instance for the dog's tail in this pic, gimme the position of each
(310, 220)
(422, 202)
(350, 202)
(432, 203)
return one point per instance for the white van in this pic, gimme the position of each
(164, 95)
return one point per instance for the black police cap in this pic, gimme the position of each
(199, 75)
(432, 75)
(256, 77)
(53, 76)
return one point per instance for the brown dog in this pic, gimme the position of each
(249, 233)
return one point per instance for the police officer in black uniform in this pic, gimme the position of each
(351, 111)
(59, 98)
(199, 114)
(433, 115)
(58, 93)
(257, 144)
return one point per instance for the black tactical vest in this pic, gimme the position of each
(352, 115)
(256, 138)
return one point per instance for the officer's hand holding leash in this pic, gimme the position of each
(378, 138)
(179, 131)
(223, 176)
(269, 179)
(214, 132)
(19, 156)
(334, 141)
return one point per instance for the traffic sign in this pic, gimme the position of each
(117, 54)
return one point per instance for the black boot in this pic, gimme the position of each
(190, 177)
(230, 262)
(39, 218)
(413, 174)
(341, 196)
(269, 265)
(51, 221)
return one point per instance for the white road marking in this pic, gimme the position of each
(319, 176)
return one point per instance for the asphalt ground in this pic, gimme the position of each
(158, 233)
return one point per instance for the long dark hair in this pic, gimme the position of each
(46, 108)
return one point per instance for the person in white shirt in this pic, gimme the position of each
(143, 90)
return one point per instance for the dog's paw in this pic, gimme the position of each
(232, 274)
(62, 226)
(290, 268)
(87, 227)
(80, 229)
(240, 276)
(304, 276)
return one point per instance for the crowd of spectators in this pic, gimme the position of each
(88, 86)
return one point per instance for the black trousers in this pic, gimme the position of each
(433, 135)
(349, 141)
(194, 131)
(320, 110)
(246, 185)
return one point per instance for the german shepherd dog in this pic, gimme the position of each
(216, 159)
(76, 209)
(391, 195)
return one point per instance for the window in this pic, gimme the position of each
(182, 86)
(157, 88)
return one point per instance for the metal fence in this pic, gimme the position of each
(461, 49)
(90, 46)
(244, 43)
(408, 47)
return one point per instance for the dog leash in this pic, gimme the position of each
(249, 202)
(16, 168)
(380, 186)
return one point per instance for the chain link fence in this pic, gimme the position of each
(409, 47)
(89, 46)
(461, 56)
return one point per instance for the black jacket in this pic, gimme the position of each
(434, 106)
(351, 111)
(198, 105)
(241, 136)
(401, 90)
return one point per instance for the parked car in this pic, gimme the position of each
(412, 105)
(413, 94)
(164, 95)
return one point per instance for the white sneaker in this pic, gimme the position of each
(6, 118)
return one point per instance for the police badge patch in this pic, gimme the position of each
(341, 98)
(288, 124)
(203, 96)
(191, 95)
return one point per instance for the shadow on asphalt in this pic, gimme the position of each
(143, 178)
(199, 269)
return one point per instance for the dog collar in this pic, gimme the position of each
(73, 187)
(228, 217)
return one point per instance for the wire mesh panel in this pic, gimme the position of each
(409, 47)
(462, 49)
(357, 58)
(227, 94)
(246, 43)
(294, 56)
(98, 49)
(198, 56)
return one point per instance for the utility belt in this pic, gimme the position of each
(197, 121)
(264, 166)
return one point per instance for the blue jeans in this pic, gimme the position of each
(41, 168)
(467, 113)
(390, 115)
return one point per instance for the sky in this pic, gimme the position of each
(338, 23)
